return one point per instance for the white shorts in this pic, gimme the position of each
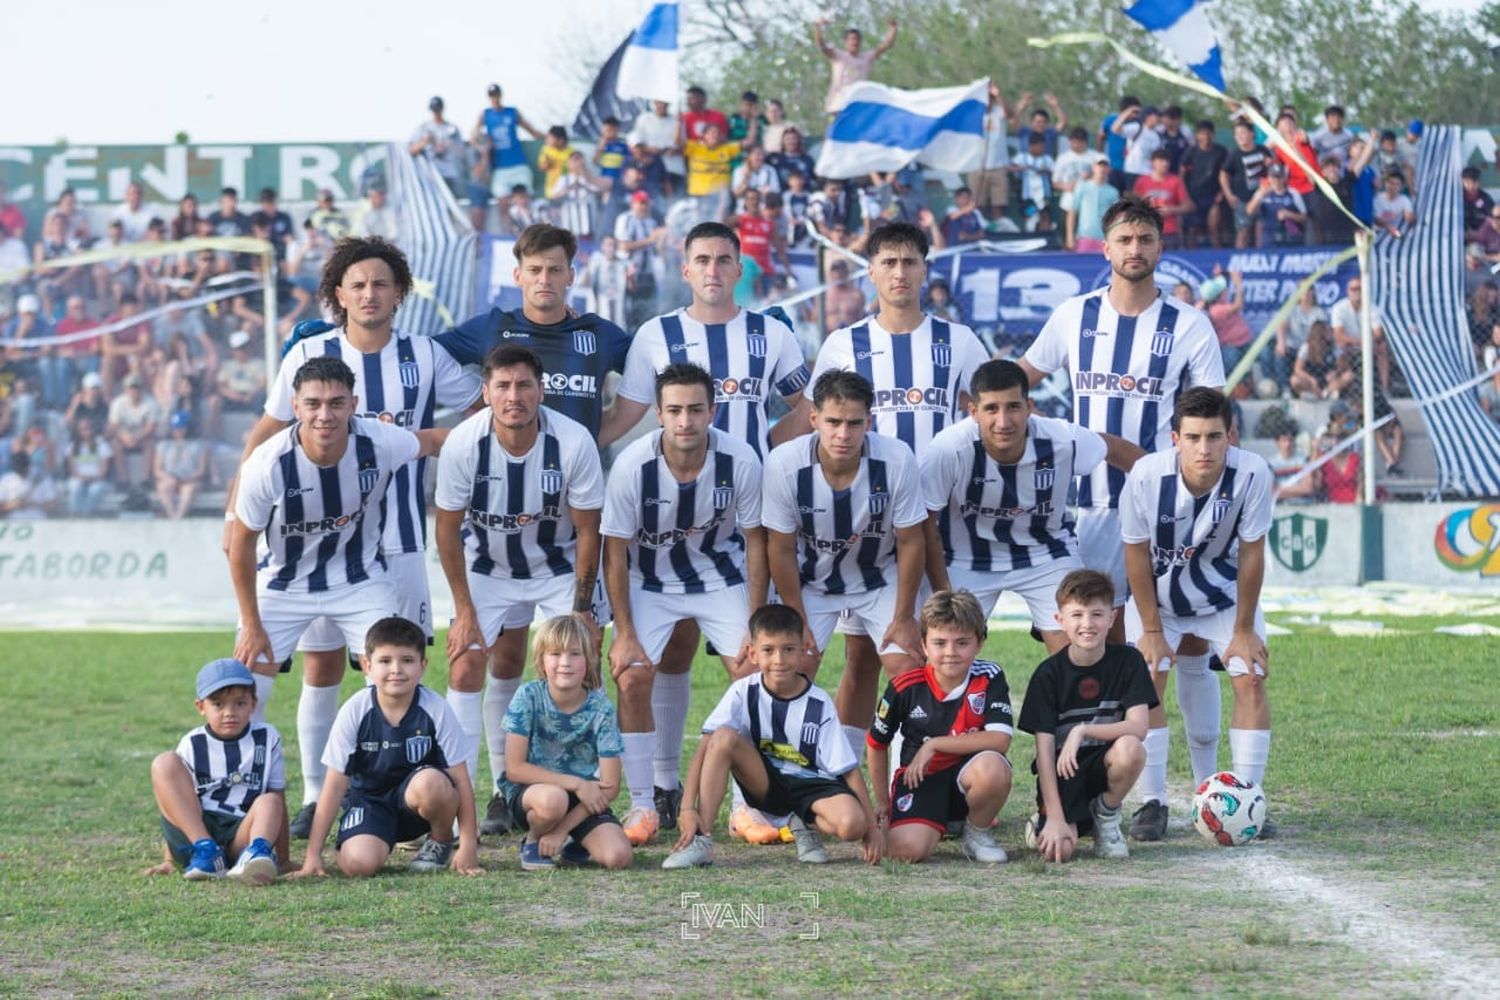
(506, 603)
(1100, 547)
(407, 573)
(868, 614)
(1036, 585)
(349, 610)
(502, 179)
(1216, 629)
(723, 615)
(850, 624)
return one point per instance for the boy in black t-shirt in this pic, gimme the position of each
(1086, 705)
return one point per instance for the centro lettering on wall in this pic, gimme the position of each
(1469, 539)
(36, 175)
(1298, 540)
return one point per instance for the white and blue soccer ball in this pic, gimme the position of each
(1229, 810)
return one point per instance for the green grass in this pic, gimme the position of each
(1382, 778)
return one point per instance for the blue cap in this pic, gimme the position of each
(180, 418)
(1415, 127)
(221, 674)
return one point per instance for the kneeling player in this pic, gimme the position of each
(779, 737)
(1087, 708)
(997, 486)
(955, 723)
(1194, 521)
(398, 751)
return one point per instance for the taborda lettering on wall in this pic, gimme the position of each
(18, 562)
(1298, 540)
(1469, 539)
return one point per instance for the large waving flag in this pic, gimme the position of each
(649, 67)
(882, 128)
(604, 102)
(1183, 27)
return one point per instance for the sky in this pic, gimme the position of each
(299, 70)
(282, 71)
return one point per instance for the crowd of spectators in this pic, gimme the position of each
(115, 408)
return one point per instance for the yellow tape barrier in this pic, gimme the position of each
(1279, 316)
(1191, 83)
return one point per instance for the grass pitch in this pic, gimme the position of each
(1382, 777)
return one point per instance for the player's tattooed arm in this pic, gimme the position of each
(586, 557)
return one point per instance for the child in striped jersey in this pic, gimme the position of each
(562, 755)
(221, 792)
(777, 734)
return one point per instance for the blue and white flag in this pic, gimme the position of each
(649, 66)
(882, 128)
(1183, 27)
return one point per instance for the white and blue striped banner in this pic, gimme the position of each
(439, 242)
(1417, 281)
(1184, 28)
(649, 66)
(883, 128)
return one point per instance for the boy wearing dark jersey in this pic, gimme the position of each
(1087, 706)
(955, 722)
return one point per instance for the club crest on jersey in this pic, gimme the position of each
(1161, 343)
(942, 355)
(411, 375)
(260, 756)
(417, 748)
(551, 480)
(583, 342)
(809, 733)
(904, 802)
(1043, 478)
(755, 344)
(367, 480)
(723, 497)
(1221, 507)
(976, 703)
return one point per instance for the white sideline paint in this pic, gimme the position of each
(1356, 910)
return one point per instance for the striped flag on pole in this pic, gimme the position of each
(439, 243)
(649, 66)
(1183, 27)
(1417, 282)
(883, 128)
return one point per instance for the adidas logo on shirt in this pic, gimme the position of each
(917, 713)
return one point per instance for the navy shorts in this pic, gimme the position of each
(585, 826)
(385, 816)
(1091, 779)
(222, 827)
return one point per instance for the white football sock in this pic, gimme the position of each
(736, 795)
(1198, 697)
(670, 694)
(498, 692)
(1248, 750)
(1153, 780)
(856, 741)
(636, 761)
(316, 710)
(263, 685)
(469, 707)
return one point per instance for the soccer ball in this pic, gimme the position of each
(1228, 809)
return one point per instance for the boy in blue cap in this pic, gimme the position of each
(222, 791)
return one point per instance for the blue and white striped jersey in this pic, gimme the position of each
(229, 774)
(519, 519)
(846, 539)
(1126, 372)
(685, 538)
(1195, 541)
(799, 736)
(745, 356)
(995, 517)
(321, 527)
(918, 376)
(377, 756)
(402, 384)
